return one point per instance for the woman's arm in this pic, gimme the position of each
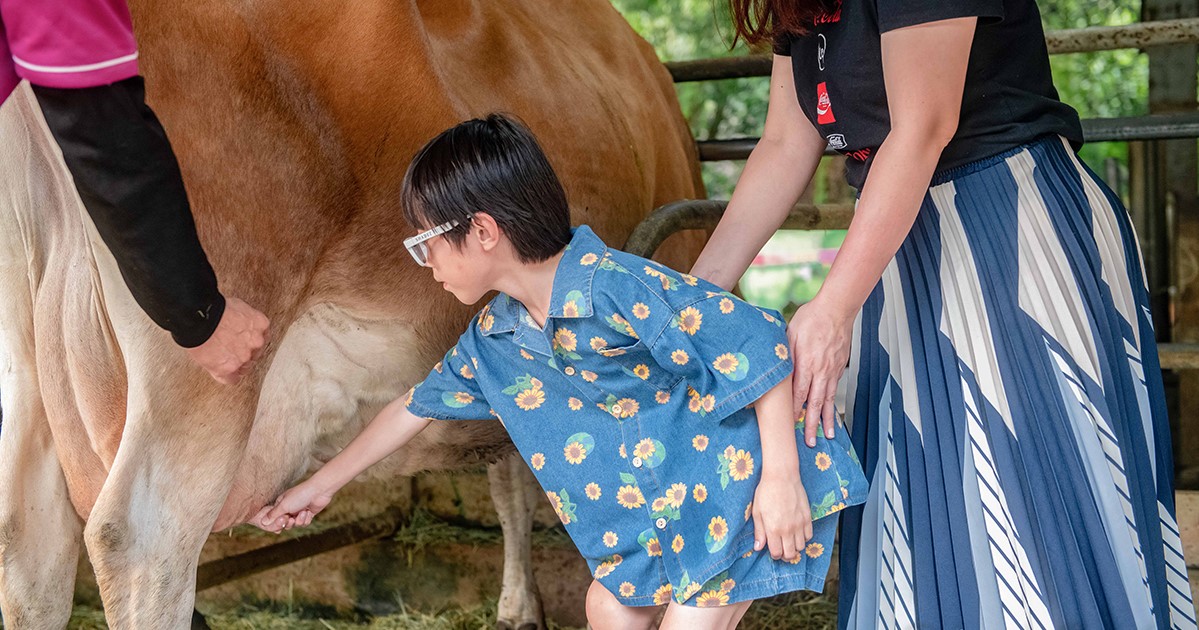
(776, 174)
(924, 68)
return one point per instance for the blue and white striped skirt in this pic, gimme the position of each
(1005, 396)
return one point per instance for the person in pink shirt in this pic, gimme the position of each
(80, 58)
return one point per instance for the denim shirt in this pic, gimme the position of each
(632, 406)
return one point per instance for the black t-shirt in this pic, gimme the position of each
(1009, 98)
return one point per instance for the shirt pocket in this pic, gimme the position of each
(634, 361)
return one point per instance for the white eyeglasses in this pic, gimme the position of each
(416, 244)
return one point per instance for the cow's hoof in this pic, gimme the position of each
(528, 625)
(198, 621)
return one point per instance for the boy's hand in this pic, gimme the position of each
(782, 516)
(294, 508)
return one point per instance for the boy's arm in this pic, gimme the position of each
(776, 424)
(390, 429)
(782, 514)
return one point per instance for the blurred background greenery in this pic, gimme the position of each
(793, 264)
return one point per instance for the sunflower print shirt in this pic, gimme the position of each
(633, 408)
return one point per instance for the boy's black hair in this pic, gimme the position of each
(491, 165)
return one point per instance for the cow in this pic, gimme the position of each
(293, 121)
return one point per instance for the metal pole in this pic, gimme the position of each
(218, 572)
(1152, 127)
(703, 214)
(1141, 35)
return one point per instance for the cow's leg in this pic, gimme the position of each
(183, 440)
(39, 530)
(515, 494)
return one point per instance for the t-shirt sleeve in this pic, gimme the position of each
(70, 43)
(782, 44)
(451, 391)
(893, 14)
(729, 351)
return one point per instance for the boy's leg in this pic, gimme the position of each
(605, 612)
(741, 609)
(680, 617)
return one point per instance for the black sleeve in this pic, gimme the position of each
(893, 14)
(782, 44)
(129, 181)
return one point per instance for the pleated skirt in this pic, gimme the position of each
(1005, 396)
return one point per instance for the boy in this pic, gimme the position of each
(626, 386)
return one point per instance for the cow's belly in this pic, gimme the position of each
(332, 373)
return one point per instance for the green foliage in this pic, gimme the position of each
(1101, 84)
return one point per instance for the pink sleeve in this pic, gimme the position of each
(70, 43)
(8, 74)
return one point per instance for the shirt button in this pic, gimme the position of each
(617, 409)
(637, 462)
(569, 371)
(661, 523)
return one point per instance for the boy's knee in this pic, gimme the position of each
(600, 603)
(605, 612)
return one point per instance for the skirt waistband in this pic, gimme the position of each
(950, 174)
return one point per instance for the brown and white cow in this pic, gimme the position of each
(294, 121)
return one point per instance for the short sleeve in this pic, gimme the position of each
(451, 391)
(729, 351)
(70, 43)
(782, 44)
(893, 14)
(8, 74)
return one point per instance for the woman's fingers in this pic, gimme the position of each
(821, 409)
(801, 386)
(759, 531)
(830, 407)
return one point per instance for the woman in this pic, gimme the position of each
(1003, 386)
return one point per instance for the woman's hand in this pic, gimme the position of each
(294, 508)
(782, 516)
(819, 336)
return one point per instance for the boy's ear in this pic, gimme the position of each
(484, 227)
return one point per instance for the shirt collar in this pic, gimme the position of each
(570, 298)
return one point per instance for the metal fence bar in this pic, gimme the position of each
(241, 565)
(1179, 356)
(1140, 35)
(704, 214)
(1151, 127)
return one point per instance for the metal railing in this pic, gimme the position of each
(1150, 127)
(1093, 39)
